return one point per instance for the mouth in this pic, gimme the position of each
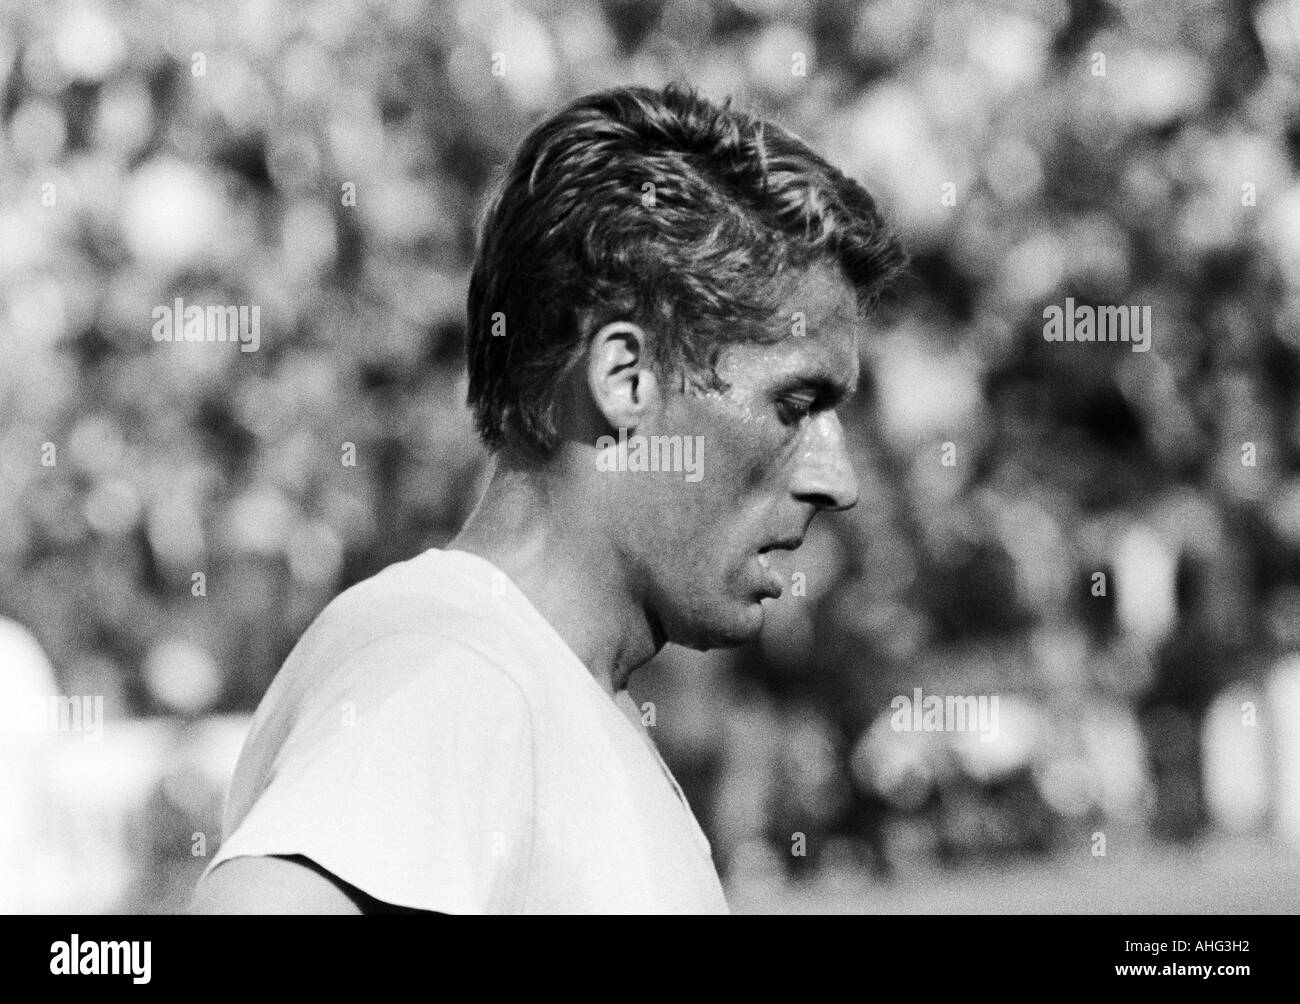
(774, 581)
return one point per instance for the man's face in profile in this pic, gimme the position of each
(773, 455)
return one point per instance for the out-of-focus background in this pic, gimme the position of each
(1106, 541)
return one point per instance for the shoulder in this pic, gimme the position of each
(414, 679)
(395, 747)
(404, 711)
(399, 775)
(407, 693)
(429, 623)
(406, 656)
(434, 601)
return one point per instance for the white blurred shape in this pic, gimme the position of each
(1234, 761)
(1034, 540)
(175, 529)
(889, 142)
(124, 117)
(96, 444)
(88, 44)
(25, 673)
(770, 57)
(25, 670)
(1145, 570)
(1284, 715)
(1278, 25)
(182, 676)
(308, 236)
(1013, 170)
(1012, 49)
(37, 316)
(1284, 512)
(100, 790)
(925, 393)
(259, 521)
(529, 65)
(315, 554)
(1017, 724)
(1033, 268)
(401, 211)
(113, 506)
(1155, 87)
(1066, 784)
(171, 213)
(215, 744)
(1117, 759)
(1282, 231)
(886, 29)
(897, 766)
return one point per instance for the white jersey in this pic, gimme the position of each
(433, 741)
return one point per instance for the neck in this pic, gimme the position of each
(544, 539)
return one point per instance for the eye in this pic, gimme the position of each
(793, 410)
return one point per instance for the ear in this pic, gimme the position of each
(620, 375)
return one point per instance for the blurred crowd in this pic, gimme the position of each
(1106, 540)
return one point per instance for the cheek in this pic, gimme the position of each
(743, 447)
(716, 507)
(712, 525)
(750, 465)
(708, 522)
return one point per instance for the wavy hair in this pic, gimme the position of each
(657, 206)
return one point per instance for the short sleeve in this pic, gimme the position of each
(407, 772)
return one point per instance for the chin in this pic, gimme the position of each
(740, 624)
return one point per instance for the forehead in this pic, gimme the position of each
(819, 319)
(825, 298)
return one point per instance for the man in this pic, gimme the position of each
(662, 319)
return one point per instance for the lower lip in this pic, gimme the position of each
(773, 581)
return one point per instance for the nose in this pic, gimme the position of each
(824, 476)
